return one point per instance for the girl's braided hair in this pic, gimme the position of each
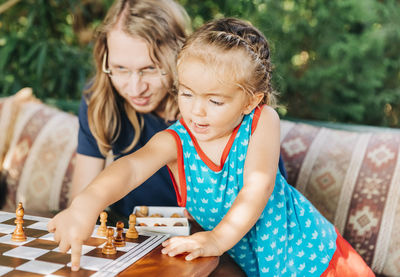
(237, 48)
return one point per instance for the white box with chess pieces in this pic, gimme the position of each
(168, 220)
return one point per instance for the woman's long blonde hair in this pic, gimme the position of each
(163, 25)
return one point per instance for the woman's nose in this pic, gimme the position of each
(135, 85)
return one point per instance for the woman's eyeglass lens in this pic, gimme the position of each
(122, 75)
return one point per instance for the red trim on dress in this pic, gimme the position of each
(204, 157)
(346, 262)
(256, 117)
(180, 196)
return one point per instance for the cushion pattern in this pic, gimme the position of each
(39, 161)
(353, 178)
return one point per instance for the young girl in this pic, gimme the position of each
(223, 155)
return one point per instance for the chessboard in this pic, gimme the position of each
(39, 255)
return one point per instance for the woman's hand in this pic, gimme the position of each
(201, 244)
(71, 228)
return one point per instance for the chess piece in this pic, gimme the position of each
(119, 240)
(109, 248)
(142, 211)
(102, 230)
(19, 234)
(132, 232)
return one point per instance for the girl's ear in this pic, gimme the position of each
(254, 101)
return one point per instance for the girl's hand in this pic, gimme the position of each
(71, 228)
(201, 244)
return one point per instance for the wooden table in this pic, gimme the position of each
(157, 264)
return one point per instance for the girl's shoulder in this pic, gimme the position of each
(265, 116)
(268, 111)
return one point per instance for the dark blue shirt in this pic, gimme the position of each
(158, 189)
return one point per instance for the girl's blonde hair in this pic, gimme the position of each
(163, 25)
(232, 47)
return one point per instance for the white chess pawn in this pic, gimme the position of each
(132, 232)
(19, 234)
(102, 230)
(109, 248)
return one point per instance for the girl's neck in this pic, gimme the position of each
(214, 149)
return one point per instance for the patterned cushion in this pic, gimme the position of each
(353, 178)
(40, 158)
(5, 119)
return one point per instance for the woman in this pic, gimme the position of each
(130, 97)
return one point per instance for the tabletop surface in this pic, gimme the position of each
(157, 264)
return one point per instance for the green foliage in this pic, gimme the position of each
(40, 49)
(335, 60)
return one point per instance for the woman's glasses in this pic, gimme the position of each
(122, 75)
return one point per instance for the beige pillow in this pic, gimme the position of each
(353, 179)
(40, 158)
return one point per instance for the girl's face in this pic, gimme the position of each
(211, 109)
(133, 73)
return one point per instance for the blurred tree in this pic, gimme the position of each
(40, 49)
(335, 60)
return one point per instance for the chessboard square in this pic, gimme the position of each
(26, 223)
(25, 252)
(92, 263)
(12, 261)
(48, 236)
(66, 271)
(40, 267)
(85, 249)
(140, 239)
(7, 228)
(19, 273)
(5, 269)
(55, 257)
(37, 218)
(6, 216)
(128, 246)
(5, 247)
(43, 244)
(40, 225)
(34, 233)
(7, 239)
(94, 241)
(98, 252)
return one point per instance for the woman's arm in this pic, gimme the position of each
(85, 170)
(75, 224)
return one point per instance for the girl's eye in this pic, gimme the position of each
(184, 93)
(218, 103)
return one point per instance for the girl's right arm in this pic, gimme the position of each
(75, 224)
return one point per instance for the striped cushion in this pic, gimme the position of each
(353, 178)
(40, 159)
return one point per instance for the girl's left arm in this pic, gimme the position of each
(259, 179)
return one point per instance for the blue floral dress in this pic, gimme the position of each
(291, 238)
